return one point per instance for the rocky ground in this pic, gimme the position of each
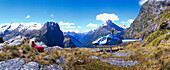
(116, 61)
(19, 64)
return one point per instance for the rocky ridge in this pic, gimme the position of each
(150, 12)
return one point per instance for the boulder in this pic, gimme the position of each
(31, 66)
(14, 41)
(12, 64)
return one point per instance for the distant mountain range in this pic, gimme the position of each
(79, 38)
(51, 35)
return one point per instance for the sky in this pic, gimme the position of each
(71, 15)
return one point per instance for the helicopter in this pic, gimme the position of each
(112, 40)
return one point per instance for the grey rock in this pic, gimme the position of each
(81, 61)
(48, 49)
(44, 67)
(18, 64)
(37, 42)
(31, 66)
(53, 67)
(13, 64)
(57, 47)
(98, 50)
(163, 40)
(116, 61)
(121, 54)
(93, 57)
(61, 60)
(59, 67)
(14, 41)
(145, 52)
(46, 57)
(51, 48)
(168, 33)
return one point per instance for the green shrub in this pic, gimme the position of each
(15, 53)
(27, 47)
(167, 37)
(156, 42)
(154, 36)
(2, 56)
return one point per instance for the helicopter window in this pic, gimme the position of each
(104, 38)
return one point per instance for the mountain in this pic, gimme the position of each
(81, 37)
(67, 42)
(51, 34)
(103, 30)
(78, 36)
(149, 15)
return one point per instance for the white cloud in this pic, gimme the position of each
(71, 27)
(66, 24)
(28, 16)
(78, 26)
(129, 21)
(141, 2)
(105, 16)
(91, 25)
(52, 15)
(75, 30)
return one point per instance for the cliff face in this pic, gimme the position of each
(148, 16)
(68, 42)
(51, 34)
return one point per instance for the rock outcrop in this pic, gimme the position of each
(13, 41)
(148, 17)
(68, 42)
(116, 61)
(51, 34)
(19, 64)
(13, 64)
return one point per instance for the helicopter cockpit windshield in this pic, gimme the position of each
(103, 39)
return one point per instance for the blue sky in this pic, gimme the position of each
(70, 14)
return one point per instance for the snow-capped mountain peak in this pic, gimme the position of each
(30, 26)
(19, 26)
(110, 23)
(4, 27)
(13, 26)
(123, 26)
